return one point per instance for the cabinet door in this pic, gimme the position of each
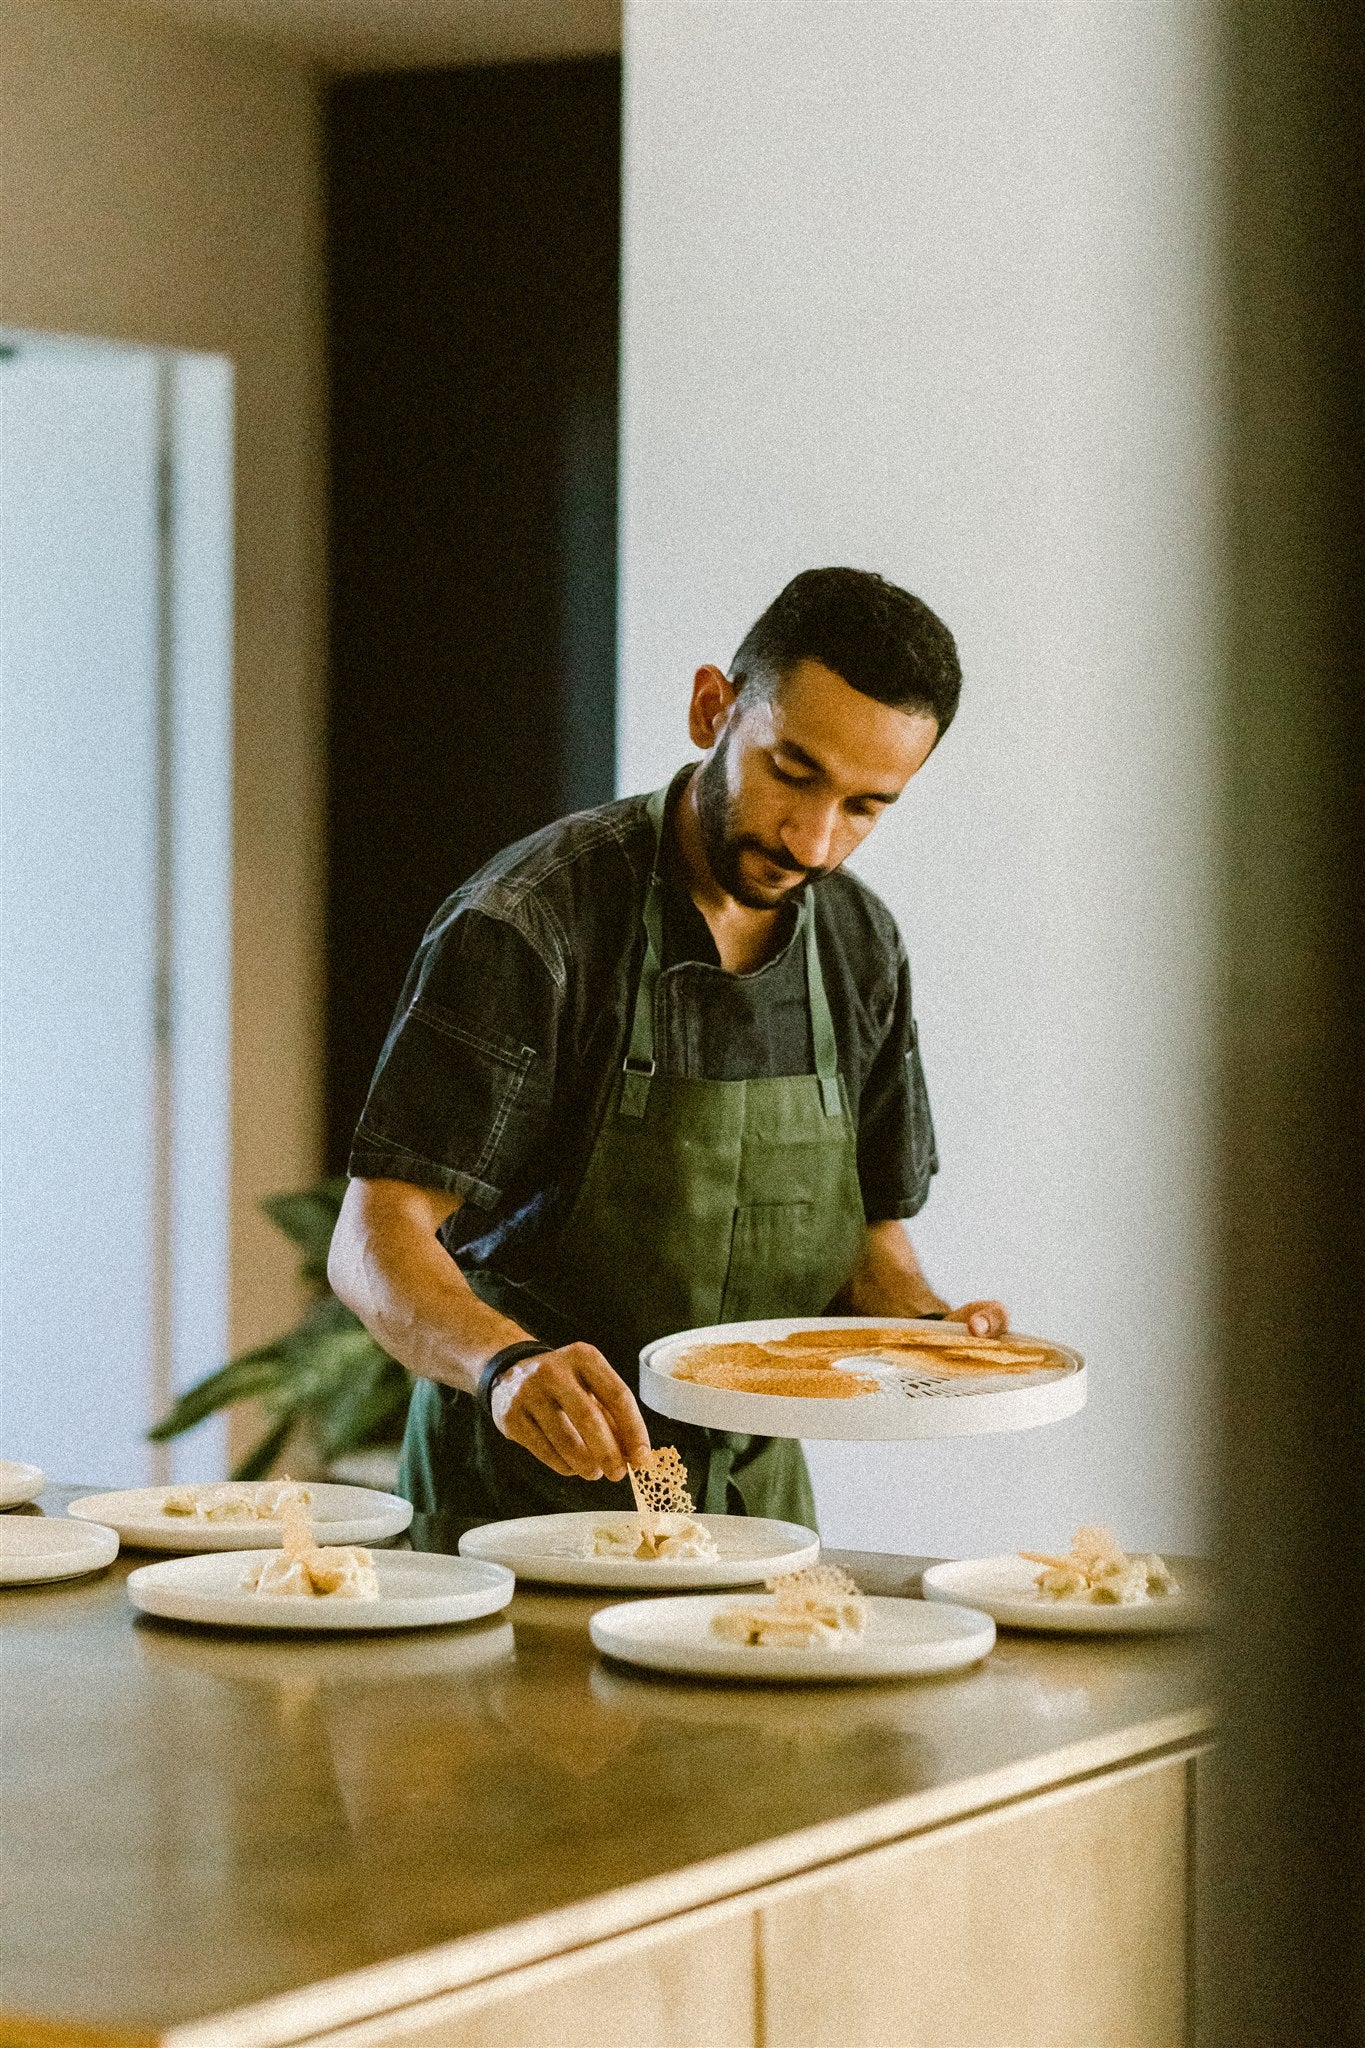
(1057, 1923)
(685, 1985)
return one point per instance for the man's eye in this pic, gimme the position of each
(785, 775)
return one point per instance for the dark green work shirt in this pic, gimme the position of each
(514, 1018)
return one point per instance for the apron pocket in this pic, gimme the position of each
(773, 1259)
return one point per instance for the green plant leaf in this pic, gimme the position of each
(255, 1375)
(370, 1409)
(308, 1219)
(258, 1462)
(321, 1364)
(327, 1369)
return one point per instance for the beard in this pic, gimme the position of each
(725, 843)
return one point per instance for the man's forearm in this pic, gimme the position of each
(888, 1279)
(388, 1267)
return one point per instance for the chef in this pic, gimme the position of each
(653, 1068)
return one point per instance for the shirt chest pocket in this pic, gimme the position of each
(473, 1090)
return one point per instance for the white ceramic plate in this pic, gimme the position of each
(19, 1483)
(37, 1547)
(903, 1639)
(544, 1547)
(1004, 1588)
(417, 1589)
(909, 1402)
(339, 1514)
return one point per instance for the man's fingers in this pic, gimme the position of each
(594, 1429)
(527, 1416)
(570, 1410)
(984, 1318)
(529, 1434)
(620, 1404)
(563, 1433)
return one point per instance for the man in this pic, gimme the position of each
(654, 1068)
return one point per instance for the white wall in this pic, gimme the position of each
(165, 188)
(925, 288)
(115, 900)
(78, 774)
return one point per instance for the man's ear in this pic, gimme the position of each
(713, 699)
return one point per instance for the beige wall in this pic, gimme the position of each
(159, 187)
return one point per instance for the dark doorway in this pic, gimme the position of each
(474, 265)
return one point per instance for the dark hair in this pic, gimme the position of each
(879, 638)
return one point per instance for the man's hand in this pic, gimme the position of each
(570, 1410)
(983, 1318)
(567, 1407)
(888, 1280)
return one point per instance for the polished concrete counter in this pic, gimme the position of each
(279, 1834)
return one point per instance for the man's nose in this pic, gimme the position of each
(809, 835)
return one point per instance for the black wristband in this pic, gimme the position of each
(511, 1354)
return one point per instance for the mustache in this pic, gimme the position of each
(778, 857)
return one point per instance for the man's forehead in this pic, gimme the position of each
(853, 738)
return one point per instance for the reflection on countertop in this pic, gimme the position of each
(213, 1818)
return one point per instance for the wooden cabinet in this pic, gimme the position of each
(1060, 1920)
(688, 1983)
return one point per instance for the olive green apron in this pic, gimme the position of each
(703, 1202)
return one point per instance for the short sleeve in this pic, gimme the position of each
(897, 1156)
(461, 1096)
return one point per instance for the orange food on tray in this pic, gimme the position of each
(712, 1365)
(803, 1363)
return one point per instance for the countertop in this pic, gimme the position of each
(200, 1827)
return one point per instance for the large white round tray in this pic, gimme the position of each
(339, 1514)
(544, 1547)
(38, 1547)
(903, 1639)
(909, 1403)
(1004, 1588)
(417, 1589)
(19, 1483)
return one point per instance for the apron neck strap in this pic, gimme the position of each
(639, 1061)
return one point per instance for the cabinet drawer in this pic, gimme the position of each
(1058, 1923)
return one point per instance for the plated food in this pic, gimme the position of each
(233, 1515)
(1098, 1589)
(1097, 1569)
(820, 1607)
(414, 1590)
(859, 1378)
(670, 1536)
(898, 1639)
(602, 1549)
(667, 1526)
(235, 1500)
(303, 1569)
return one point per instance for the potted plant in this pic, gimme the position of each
(326, 1376)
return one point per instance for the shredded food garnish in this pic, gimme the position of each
(234, 1500)
(1098, 1570)
(659, 1483)
(818, 1606)
(303, 1568)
